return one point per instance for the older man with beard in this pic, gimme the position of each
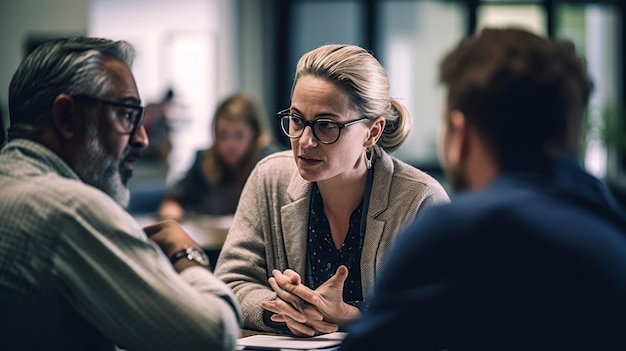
(76, 271)
(531, 252)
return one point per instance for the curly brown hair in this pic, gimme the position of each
(525, 94)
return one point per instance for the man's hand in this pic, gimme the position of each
(170, 237)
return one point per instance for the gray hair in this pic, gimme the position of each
(70, 66)
(359, 74)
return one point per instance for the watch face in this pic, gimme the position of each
(198, 256)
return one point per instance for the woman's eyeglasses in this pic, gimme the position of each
(326, 131)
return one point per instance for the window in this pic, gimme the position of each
(413, 37)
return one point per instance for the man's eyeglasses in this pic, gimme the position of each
(130, 115)
(326, 131)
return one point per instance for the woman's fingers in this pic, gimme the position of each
(318, 327)
(295, 301)
(297, 328)
(294, 278)
(281, 307)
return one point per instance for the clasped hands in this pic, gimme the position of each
(308, 312)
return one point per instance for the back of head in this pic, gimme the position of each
(65, 65)
(526, 95)
(364, 80)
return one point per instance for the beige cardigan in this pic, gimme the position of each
(270, 226)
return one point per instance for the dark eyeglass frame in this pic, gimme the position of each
(136, 123)
(288, 114)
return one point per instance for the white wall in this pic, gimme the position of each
(257, 71)
(20, 18)
(189, 45)
(414, 37)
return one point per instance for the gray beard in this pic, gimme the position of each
(99, 170)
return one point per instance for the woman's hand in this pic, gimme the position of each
(298, 305)
(302, 318)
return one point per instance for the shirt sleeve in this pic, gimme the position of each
(122, 283)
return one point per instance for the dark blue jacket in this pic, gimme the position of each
(532, 262)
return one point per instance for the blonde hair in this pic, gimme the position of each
(237, 107)
(359, 74)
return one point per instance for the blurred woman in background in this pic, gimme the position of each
(214, 182)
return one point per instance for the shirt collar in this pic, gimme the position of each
(41, 155)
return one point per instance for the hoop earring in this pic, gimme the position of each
(368, 155)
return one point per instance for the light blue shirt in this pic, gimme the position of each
(78, 273)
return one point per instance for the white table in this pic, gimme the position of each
(208, 231)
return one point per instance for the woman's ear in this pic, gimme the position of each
(375, 131)
(62, 119)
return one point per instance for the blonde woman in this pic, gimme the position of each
(319, 219)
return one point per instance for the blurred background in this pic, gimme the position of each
(192, 53)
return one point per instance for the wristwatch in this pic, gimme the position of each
(192, 254)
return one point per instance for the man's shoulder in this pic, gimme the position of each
(54, 207)
(470, 210)
(52, 192)
(500, 205)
